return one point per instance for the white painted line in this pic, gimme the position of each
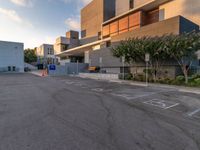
(131, 97)
(68, 82)
(161, 103)
(172, 106)
(78, 84)
(194, 112)
(126, 96)
(98, 90)
(156, 103)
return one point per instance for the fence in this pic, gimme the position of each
(194, 70)
(68, 68)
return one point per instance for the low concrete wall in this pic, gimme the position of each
(99, 76)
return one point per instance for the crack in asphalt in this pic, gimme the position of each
(110, 122)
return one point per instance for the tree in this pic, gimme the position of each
(183, 48)
(30, 55)
(134, 51)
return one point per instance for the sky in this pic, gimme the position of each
(34, 22)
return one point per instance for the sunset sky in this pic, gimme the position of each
(34, 22)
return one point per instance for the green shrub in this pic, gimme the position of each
(197, 81)
(127, 76)
(139, 77)
(195, 76)
(149, 71)
(180, 78)
(192, 83)
(162, 81)
(168, 81)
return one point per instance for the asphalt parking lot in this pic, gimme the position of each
(70, 113)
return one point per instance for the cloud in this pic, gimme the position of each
(80, 2)
(23, 3)
(85, 2)
(13, 16)
(49, 39)
(73, 23)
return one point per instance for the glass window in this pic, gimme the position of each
(131, 4)
(83, 33)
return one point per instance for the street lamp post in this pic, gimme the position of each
(123, 64)
(100, 62)
(147, 58)
(77, 67)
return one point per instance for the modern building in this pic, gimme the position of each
(45, 54)
(105, 23)
(70, 41)
(92, 17)
(11, 57)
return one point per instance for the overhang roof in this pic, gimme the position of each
(82, 48)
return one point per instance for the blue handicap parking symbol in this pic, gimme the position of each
(52, 67)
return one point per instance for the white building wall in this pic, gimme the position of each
(11, 54)
(45, 50)
(58, 46)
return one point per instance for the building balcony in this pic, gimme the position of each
(175, 25)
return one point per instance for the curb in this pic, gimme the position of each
(178, 88)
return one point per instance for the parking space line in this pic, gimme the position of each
(98, 90)
(172, 106)
(131, 97)
(194, 112)
(161, 103)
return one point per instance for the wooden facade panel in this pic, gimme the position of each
(133, 28)
(152, 16)
(135, 19)
(130, 22)
(123, 23)
(106, 30)
(114, 27)
(113, 34)
(122, 31)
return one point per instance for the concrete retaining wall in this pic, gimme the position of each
(99, 76)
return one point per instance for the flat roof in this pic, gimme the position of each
(12, 42)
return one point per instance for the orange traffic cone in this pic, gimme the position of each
(43, 74)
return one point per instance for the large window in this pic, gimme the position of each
(83, 33)
(131, 4)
